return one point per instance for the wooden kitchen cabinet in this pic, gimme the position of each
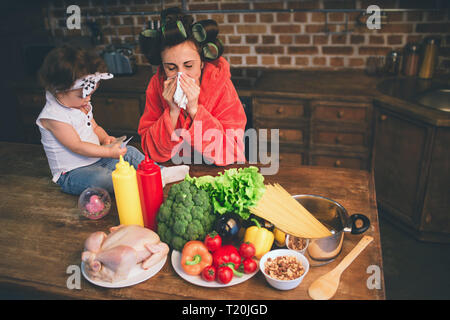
(340, 133)
(412, 173)
(289, 118)
(324, 118)
(332, 133)
(435, 217)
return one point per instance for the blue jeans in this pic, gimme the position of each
(97, 174)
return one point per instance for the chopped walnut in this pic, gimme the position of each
(296, 243)
(284, 268)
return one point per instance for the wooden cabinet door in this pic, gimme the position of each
(117, 114)
(436, 214)
(400, 151)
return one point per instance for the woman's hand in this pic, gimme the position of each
(192, 91)
(170, 85)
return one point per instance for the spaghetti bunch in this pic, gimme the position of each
(287, 214)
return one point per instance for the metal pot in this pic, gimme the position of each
(335, 217)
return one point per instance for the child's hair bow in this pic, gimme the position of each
(89, 82)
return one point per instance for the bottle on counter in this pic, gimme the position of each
(429, 58)
(150, 190)
(411, 59)
(127, 194)
(393, 63)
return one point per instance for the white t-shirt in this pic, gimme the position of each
(61, 159)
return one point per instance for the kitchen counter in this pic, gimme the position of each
(43, 234)
(402, 93)
(316, 83)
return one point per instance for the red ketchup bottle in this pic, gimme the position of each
(150, 190)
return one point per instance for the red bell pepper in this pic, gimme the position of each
(226, 254)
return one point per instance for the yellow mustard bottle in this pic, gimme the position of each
(127, 194)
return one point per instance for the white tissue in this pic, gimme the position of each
(179, 96)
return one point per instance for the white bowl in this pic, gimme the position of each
(302, 251)
(284, 284)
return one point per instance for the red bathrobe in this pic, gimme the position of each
(220, 113)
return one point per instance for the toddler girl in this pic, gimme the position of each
(75, 145)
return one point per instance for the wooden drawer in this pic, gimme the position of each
(117, 113)
(286, 135)
(291, 159)
(285, 158)
(339, 138)
(340, 111)
(338, 162)
(291, 135)
(278, 109)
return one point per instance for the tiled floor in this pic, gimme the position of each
(413, 269)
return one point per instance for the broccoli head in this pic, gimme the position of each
(187, 214)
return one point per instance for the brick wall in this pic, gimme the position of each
(291, 40)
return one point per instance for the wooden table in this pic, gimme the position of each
(43, 234)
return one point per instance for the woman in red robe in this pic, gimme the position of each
(206, 114)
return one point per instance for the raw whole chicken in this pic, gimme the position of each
(111, 257)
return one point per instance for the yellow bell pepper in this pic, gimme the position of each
(261, 238)
(280, 237)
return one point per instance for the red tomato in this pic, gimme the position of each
(224, 274)
(250, 265)
(247, 250)
(213, 241)
(209, 273)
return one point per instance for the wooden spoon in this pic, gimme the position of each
(325, 287)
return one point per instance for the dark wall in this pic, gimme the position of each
(21, 25)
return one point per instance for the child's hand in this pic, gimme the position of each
(108, 140)
(117, 151)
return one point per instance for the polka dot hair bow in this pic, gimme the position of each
(89, 82)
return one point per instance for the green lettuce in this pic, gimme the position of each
(234, 190)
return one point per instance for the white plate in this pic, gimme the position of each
(137, 275)
(197, 280)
